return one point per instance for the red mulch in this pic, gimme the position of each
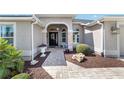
(36, 71)
(95, 61)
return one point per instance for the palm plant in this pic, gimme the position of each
(10, 59)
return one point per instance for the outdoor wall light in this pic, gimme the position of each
(115, 29)
(57, 29)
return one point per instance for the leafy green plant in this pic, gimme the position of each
(10, 58)
(83, 48)
(21, 76)
(4, 73)
(74, 46)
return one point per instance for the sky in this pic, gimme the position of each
(95, 16)
(81, 16)
(90, 16)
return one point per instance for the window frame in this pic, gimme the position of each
(75, 36)
(14, 31)
(64, 37)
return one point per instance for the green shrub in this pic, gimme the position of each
(83, 48)
(4, 73)
(74, 46)
(21, 76)
(10, 58)
(13, 73)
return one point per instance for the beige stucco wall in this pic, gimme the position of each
(121, 39)
(110, 39)
(67, 21)
(93, 37)
(22, 36)
(81, 32)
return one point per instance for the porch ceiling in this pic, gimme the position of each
(55, 26)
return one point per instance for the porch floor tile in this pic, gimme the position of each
(56, 58)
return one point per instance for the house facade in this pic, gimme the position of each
(26, 33)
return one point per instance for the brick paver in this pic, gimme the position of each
(56, 58)
(72, 71)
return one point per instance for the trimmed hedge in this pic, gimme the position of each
(83, 48)
(21, 76)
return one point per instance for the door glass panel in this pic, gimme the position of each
(53, 39)
(52, 36)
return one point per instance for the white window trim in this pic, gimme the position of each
(76, 36)
(14, 28)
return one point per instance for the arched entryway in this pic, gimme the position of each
(57, 35)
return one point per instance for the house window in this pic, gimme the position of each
(64, 37)
(7, 32)
(76, 30)
(76, 37)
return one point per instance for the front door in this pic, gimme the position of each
(53, 38)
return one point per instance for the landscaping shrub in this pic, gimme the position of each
(83, 48)
(74, 46)
(21, 76)
(10, 59)
(4, 73)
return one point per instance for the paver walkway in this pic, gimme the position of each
(72, 71)
(56, 58)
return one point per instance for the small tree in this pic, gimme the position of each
(10, 59)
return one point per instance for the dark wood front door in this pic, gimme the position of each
(53, 38)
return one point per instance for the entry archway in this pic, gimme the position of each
(57, 35)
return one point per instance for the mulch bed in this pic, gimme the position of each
(95, 61)
(36, 71)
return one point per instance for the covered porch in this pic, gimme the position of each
(53, 35)
(57, 36)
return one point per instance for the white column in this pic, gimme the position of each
(118, 45)
(70, 40)
(33, 62)
(32, 43)
(102, 38)
(118, 40)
